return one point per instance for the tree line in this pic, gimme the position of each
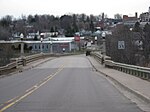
(66, 24)
(136, 50)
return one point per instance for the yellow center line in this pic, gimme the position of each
(11, 100)
(31, 90)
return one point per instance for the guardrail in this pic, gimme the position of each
(18, 62)
(142, 72)
(7, 67)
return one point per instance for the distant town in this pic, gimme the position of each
(35, 26)
(127, 38)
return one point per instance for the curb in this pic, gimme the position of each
(136, 93)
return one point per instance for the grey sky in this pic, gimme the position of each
(59, 7)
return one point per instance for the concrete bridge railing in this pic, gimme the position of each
(142, 72)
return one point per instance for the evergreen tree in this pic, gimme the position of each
(74, 25)
(146, 41)
(146, 28)
(35, 38)
(92, 26)
(52, 29)
(137, 27)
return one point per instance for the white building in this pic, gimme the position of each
(145, 17)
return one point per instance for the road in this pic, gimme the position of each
(65, 84)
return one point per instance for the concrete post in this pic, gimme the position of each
(51, 47)
(22, 48)
(104, 47)
(41, 46)
(24, 61)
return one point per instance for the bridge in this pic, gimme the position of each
(54, 83)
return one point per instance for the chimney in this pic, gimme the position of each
(102, 16)
(136, 15)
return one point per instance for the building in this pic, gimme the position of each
(50, 46)
(38, 46)
(130, 21)
(145, 17)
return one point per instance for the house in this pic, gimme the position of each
(145, 17)
(130, 21)
(33, 35)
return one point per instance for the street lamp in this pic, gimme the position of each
(51, 47)
(22, 44)
(41, 46)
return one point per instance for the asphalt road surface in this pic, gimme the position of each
(66, 84)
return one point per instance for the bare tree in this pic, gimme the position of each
(6, 21)
(146, 41)
(4, 33)
(118, 16)
(126, 54)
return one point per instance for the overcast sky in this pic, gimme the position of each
(16, 8)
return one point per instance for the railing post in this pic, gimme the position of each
(24, 61)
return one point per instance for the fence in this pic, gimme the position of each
(142, 72)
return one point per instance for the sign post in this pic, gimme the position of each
(77, 40)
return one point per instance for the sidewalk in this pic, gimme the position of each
(135, 85)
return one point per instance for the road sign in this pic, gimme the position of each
(121, 45)
(77, 38)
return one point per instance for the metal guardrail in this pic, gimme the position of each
(18, 62)
(142, 72)
(7, 67)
